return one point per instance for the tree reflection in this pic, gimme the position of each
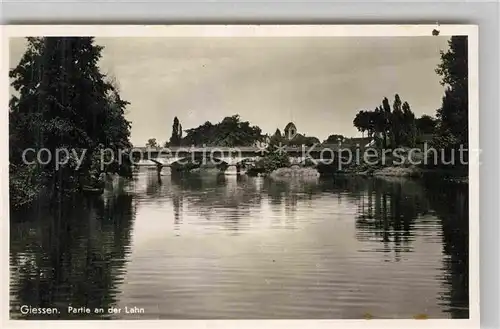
(290, 191)
(177, 201)
(71, 254)
(451, 203)
(388, 210)
(153, 185)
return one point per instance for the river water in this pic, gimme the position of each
(227, 247)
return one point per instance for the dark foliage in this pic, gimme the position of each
(63, 101)
(230, 132)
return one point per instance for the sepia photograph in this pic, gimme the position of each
(242, 172)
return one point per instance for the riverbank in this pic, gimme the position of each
(27, 185)
(416, 172)
(451, 175)
(413, 172)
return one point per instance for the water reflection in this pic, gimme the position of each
(451, 203)
(388, 211)
(71, 254)
(215, 246)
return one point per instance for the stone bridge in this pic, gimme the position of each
(233, 161)
(233, 156)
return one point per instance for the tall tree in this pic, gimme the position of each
(175, 139)
(396, 122)
(452, 117)
(397, 125)
(63, 101)
(409, 126)
(277, 138)
(453, 69)
(385, 117)
(117, 129)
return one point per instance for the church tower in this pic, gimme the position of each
(290, 131)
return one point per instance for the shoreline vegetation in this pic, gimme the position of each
(67, 104)
(70, 104)
(410, 172)
(286, 170)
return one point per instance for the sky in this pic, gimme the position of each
(319, 83)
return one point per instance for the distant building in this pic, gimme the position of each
(290, 131)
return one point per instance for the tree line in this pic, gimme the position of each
(232, 131)
(397, 126)
(63, 101)
(392, 123)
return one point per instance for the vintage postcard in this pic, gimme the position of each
(313, 174)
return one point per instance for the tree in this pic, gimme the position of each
(63, 102)
(299, 140)
(384, 119)
(334, 138)
(118, 132)
(22, 115)
(274, 160)
(200, 135)
(231, 132)
(397, 125)
(453, 69)
(396, 122)
(452, 117)
(175, 139)
(425, 124)
(363, 122)
(277, 138)
(409, 126)
(152, 143)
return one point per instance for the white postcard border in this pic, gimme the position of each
(471, 31)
